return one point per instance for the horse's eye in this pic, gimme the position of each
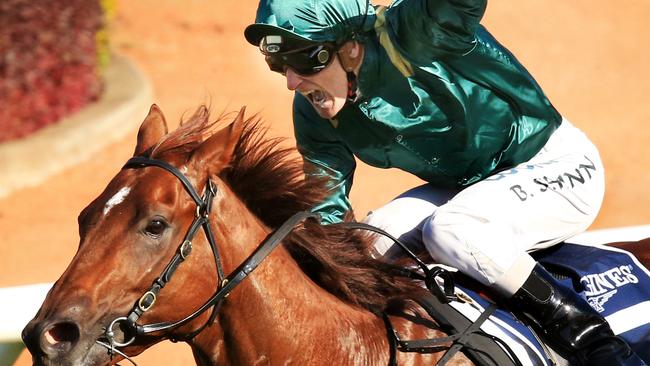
(155, 228)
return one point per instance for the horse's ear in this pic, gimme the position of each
(152, 129)
(217, 151)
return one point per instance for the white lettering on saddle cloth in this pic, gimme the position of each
(599, 287)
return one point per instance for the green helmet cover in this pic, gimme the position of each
(302, 22)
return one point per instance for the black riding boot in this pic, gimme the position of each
(569, 324)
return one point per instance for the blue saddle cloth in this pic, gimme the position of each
(613, 282)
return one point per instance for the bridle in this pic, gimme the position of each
(226, 284)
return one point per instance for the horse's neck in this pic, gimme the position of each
(278, 312)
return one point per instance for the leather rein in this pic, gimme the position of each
(226, 284)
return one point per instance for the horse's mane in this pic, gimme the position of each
(269, 179)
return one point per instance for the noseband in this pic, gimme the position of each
(226, 284)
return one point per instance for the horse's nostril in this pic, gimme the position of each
(60, 338)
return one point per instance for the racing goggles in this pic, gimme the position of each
(306, 60)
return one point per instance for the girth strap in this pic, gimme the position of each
(480, 347)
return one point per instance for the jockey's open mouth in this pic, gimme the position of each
(318, 98)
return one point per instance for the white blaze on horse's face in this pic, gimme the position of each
(116, 199)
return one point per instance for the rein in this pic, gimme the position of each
(227, 284)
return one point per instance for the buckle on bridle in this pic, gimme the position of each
(202, 212)
(186, 249)
(146, 301)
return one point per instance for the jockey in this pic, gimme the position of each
(423, 87)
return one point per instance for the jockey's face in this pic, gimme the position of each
(327, 89)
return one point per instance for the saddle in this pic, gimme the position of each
(612, 280)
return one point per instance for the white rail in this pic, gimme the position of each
(604, 236)
(19, 304)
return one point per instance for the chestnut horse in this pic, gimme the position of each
(313, 300)
(142, 259)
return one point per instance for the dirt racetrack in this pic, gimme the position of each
(590, 58)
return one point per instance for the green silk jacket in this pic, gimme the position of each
(440, 98)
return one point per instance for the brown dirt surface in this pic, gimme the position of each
(588, 56)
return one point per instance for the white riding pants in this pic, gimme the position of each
(487, 229)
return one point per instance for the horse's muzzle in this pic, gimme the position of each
(52, 342)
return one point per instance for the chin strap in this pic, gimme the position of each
(352, 87)
(350, 64)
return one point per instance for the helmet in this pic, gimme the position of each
(300, 23)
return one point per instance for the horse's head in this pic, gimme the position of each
(131, 243)
(146, 269)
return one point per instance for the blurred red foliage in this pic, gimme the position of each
(48, 62)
